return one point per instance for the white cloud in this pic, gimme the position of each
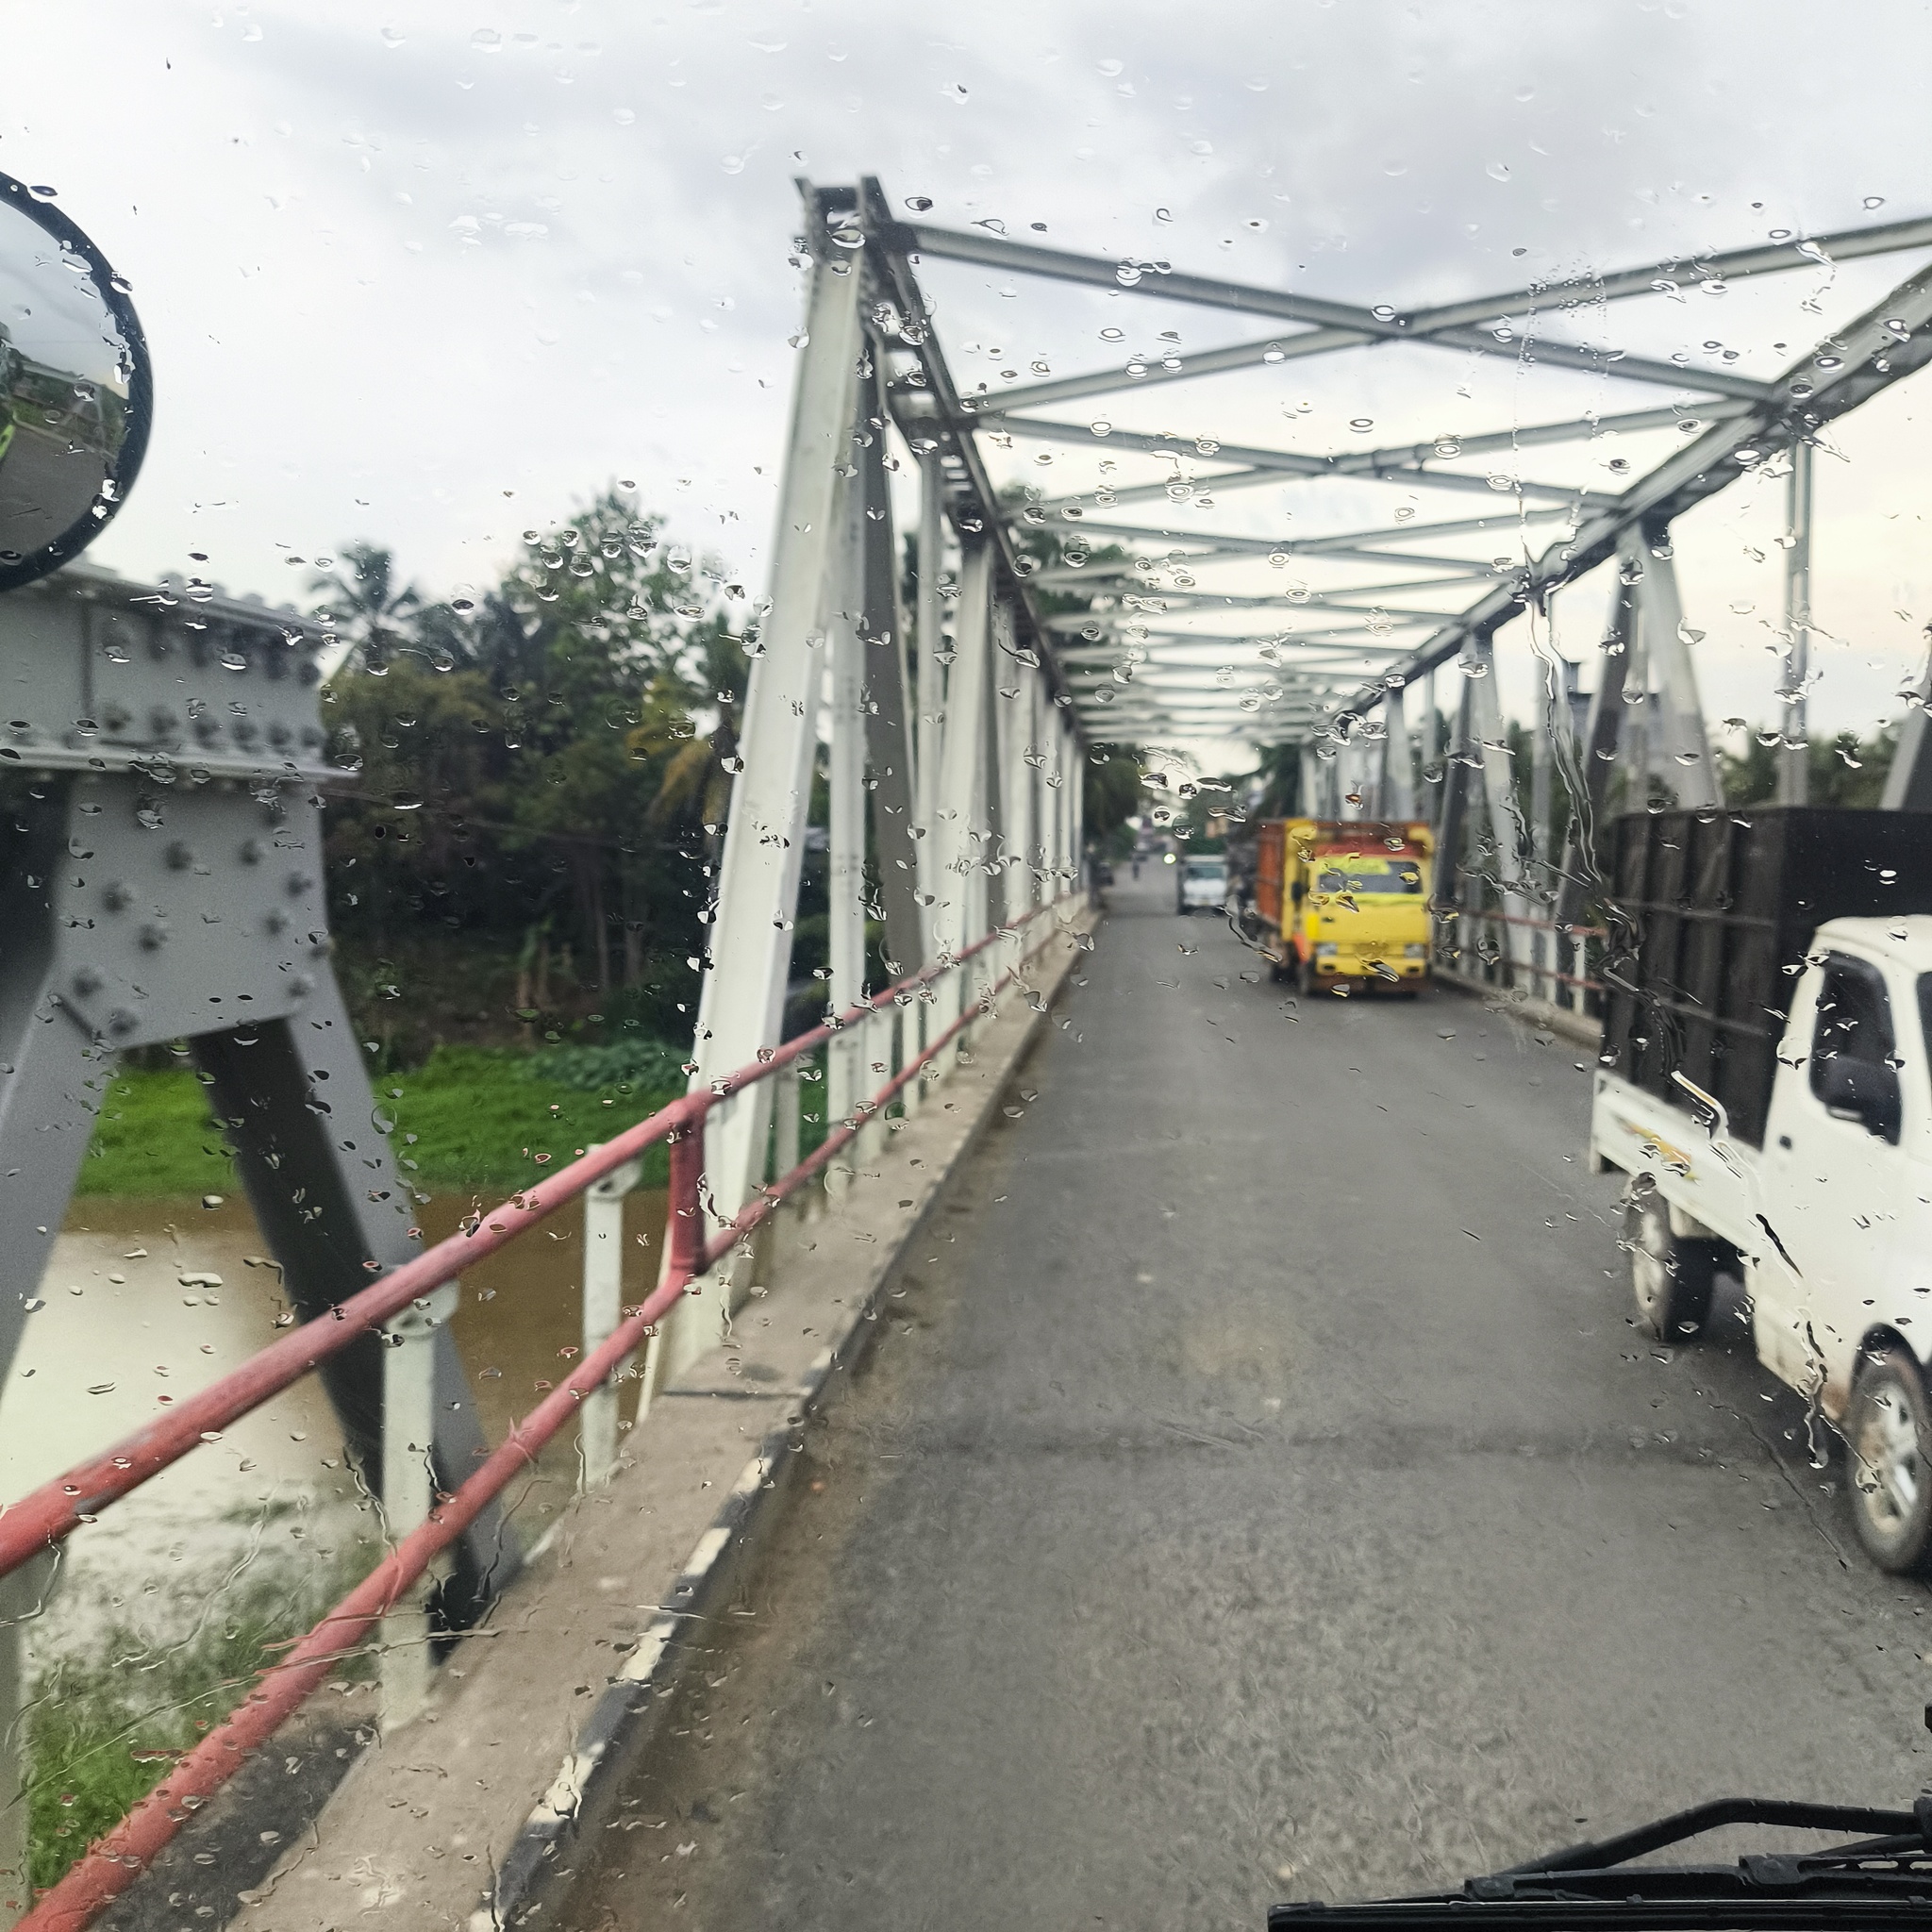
(404, 286)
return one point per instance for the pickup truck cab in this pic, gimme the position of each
(1828, 1222)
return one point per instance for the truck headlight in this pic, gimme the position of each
(1326, 950)
(1414, 950)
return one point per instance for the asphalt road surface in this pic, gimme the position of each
(1260, 1491)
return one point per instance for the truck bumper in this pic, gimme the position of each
(1409, 973)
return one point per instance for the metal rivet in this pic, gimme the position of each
(117, 898)
(154, 937)
(250, 851)
(86, 981)
(181, 856)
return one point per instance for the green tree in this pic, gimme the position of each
(612, 617)
(1843, 769)
(536, 771)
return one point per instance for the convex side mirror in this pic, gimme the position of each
(76, 389)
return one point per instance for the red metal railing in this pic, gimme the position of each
(1578, 935)
(53, 1511)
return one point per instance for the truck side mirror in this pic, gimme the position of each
(1859, 1091)
(1300, 891)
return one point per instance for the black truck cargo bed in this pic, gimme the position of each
(1717, 911)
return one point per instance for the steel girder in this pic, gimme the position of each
(1890, 340)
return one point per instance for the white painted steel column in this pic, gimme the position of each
(1793, 776)
(1041, 734)
(1013, 716)
(1499, 795)
(409, 1483)
(959, 810)
(1076, 805)
(1693, 772)
(749, 956)
(784, 1100)
(930, 681)
(1397, 799)
(1069, 796)
(846, 866)
(602, 1312)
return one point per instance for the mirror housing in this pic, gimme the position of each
(76, 395)
(1863, 1091)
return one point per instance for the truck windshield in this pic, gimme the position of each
(1387, 878)
(1207, 869)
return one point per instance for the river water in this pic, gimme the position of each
(145, 1302)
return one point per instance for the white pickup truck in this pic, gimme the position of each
(1828, 1222)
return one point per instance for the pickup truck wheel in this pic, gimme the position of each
(1888, 1449)
(1670, 1276)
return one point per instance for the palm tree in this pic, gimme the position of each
(369, 609)
(698, 772)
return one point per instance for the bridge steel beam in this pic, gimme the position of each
(1405, 464)
(1890, 340)
(1597, 755)
(746, 965)
(1690, 769)
(1338, 326)
(1330, 324)
(1794, 773)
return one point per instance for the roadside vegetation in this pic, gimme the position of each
(467, 1118)
(107, 1719)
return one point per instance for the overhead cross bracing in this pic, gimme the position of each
(1192, 536)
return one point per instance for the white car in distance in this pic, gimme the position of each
(1202, 885)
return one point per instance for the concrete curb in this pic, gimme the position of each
(533, 1871)
(1578, 1027)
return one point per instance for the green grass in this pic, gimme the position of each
(468, 1117)
(105, 1725)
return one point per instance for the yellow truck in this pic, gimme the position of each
(1345, 902)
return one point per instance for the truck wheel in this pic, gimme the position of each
(1888, 1449)
(1670, 1277)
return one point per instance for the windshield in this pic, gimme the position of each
(959, 962)
(1393, 878)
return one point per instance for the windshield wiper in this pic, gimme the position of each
(1882, 1879)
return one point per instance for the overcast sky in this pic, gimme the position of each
(431, 276)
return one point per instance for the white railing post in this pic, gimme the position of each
(24, 1596)
(408, 1482)
(785, 1129)
(602, 1312)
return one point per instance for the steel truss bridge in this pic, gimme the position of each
(1140, 599)
(1202, 624)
